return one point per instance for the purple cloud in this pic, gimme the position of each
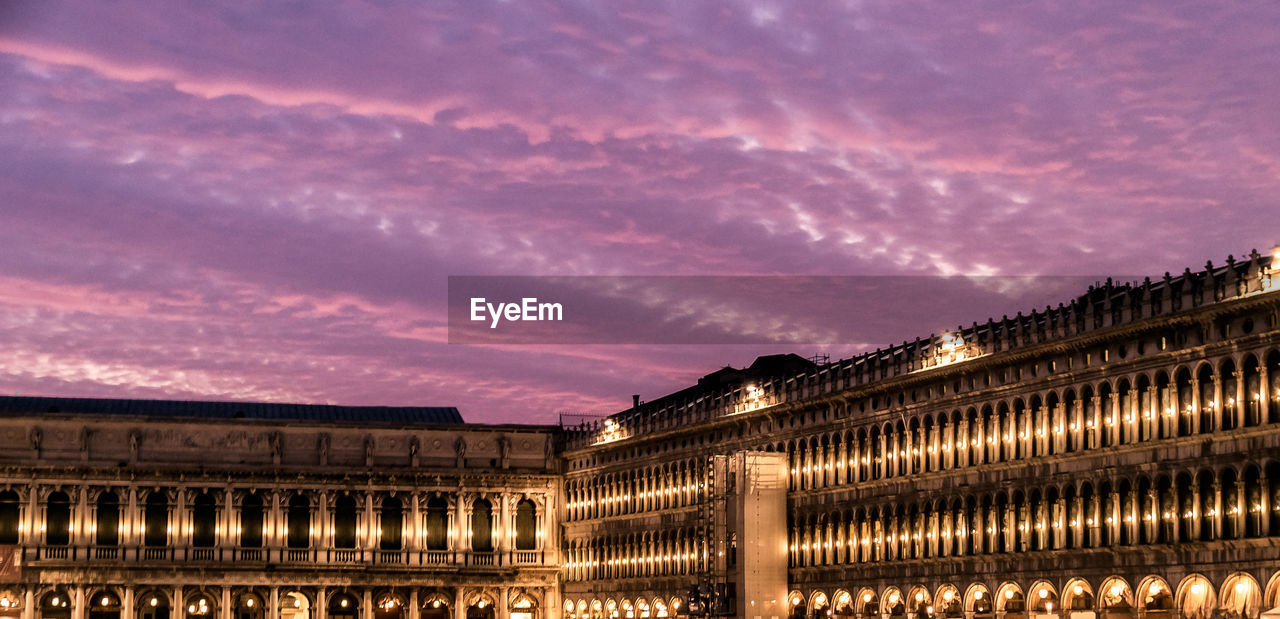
(262, 201)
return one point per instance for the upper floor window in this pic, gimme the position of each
(58, 519)
(204, 520)
(299, 522)
(482, 526)
(251, 519)
(156, 519)
(526, 525)
(108, 520)
(344, 522)
(9, 515)
(437, 524)
(391, 523)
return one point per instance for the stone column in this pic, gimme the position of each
(273, 609)
(78, 603)
(884, 458)
(366, 604)
(179, 607)
(1195, 405)
(1264, 522)
(458, 541)
(1242, 509)
(322, 603)
(1264, 402)
(842, 463)
(225, 605)
(127, 603)
(459, 612)
(1219, 404)
(1242, 402)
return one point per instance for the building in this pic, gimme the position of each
(184, 510)
(1117, 456)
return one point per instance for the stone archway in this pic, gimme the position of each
(1115, 599)
(1241, 594)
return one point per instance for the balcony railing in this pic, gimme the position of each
(391, 559)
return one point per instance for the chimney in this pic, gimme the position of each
(635, 401)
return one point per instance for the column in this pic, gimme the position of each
(225, 605)
(458, 539)
(414, 605)
(322, 603)
(77, 605)
(127, 602)
(81, 519)
(1219, 404)
(415, 519)
(1264, 404)
(179, 606)
(458, 611)
(884, 458)
(1242, 402)
(1221, 509)
(842, 462)
(366, 604)
(1195, 405)
(273, 610)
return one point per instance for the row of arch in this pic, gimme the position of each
(1227, 502)
(1222, 394)
(637, 555)
(114, 602)
(341, 523)
(663, 486)
(1195, 595)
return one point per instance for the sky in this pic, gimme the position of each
(264, 200)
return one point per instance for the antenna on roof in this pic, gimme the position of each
(820, 359)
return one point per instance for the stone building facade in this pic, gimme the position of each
(179, 510)
(1116, 456)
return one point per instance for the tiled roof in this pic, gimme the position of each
(403, 415)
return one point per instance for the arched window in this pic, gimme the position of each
(481, 526)
(344, 522)
(156, 519)
(108, 524)
(526, 525)
(251, 517)
(204, 520)
(58, 520)
(9, 514)
(392, 522)
(299, 526)
(437, 524)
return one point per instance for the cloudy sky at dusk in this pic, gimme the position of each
(263, 201)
